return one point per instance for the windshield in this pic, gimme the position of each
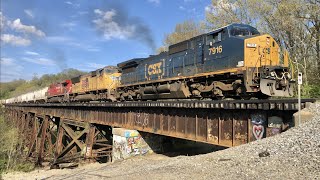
(243, 31)
(110, 70)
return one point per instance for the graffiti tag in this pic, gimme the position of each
(258, 120)
(258, 131)
(142, 119)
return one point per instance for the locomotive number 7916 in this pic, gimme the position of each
(215, 50)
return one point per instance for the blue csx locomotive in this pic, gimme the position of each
(234, 61)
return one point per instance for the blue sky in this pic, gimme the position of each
(44, 37)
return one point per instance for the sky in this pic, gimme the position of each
(45, 37)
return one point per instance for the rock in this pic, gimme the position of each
(264, 154)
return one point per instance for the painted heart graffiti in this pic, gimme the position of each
(258, 131)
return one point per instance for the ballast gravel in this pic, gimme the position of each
(294, 154)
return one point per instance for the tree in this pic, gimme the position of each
(295, 25)
(182, 32)
(18, 87)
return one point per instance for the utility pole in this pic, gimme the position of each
(299, 95)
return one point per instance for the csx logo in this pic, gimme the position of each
(154, 68)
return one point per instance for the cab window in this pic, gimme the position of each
(213, 38)
(243, 31)
(110, 71)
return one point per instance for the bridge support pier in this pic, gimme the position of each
(128, 143)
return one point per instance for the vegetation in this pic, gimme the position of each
(295, 25)
(10, 151)
(182, 31)
(18, 87)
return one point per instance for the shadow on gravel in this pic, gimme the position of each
(172, 147)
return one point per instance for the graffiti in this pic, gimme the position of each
(131, 133)
(130, 145)
(258, 131)
(88, 151)
(119, 148)
(142, 119)
(258, 120)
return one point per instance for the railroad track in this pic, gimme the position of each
(266, 104)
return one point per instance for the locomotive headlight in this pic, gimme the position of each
(240, 64)
(251, 45)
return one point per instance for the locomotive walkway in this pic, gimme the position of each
(61, 132)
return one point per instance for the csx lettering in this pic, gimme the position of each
(215, 50)
(155, 68)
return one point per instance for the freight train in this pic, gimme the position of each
(234, 61)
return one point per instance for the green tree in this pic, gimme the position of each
(18, 87)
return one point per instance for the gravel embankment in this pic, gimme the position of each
(294, 154)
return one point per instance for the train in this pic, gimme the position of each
(234, 61)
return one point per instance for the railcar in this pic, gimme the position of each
(233, 61)
(40, 95)
(97, 85)
(59, 92)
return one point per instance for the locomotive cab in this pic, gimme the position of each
(265, 68)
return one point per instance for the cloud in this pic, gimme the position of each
(68, 25)
(71, 42)
(154, 1)
(57, 39)
(110, 28)
(9, 69)
(14, 40)
(68, 2)
(40, 61)
(83, 12)
(18, 26)
(93, 49)
(2, 20)
(29, 13)
(32, 53)
(75, 5)
(116, 24)
(182, 8)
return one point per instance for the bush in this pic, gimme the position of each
(10, 156)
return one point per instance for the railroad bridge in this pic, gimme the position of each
(63, 132)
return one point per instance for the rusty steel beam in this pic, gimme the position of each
(43, 136)
(59, 143)
(68, 128)
(89, 141)
(224, 127)
(35, 134)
